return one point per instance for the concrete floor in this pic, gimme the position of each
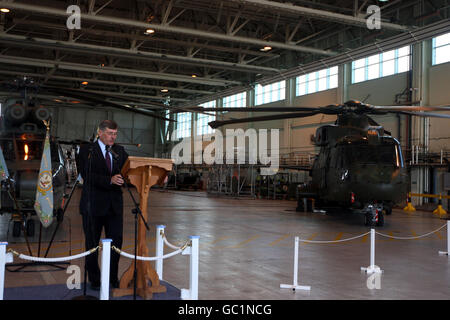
(247, 248)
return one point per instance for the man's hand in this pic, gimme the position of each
(117, 180)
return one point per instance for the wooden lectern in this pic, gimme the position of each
(143, 173)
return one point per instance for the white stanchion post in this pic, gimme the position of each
(295, 285)
(372, 268)
(106, 259)
(193, 276)
(448, 241)
(2, 267)
(159, 250)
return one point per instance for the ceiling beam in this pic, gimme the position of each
(319, 14)
(145, 38)
(105, 82)
(133, 54)
(15, 60)
(163, 28)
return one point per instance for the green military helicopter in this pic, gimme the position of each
(360, 166)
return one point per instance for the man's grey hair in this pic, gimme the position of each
(110, 124)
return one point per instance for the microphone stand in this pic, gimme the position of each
(136, 211)
(88, 226)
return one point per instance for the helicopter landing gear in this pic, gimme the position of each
(304, 205)
(374, 216)
(29, 228)
(17, 228)
(60, 215)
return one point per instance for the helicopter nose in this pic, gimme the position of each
(378, 174)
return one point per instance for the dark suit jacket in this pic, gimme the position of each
(105, 198)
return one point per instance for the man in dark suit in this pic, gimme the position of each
(101, 202)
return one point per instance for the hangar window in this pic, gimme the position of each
(441, 49)
(203, 119)
(270, 93)
(381, 65)
(183, 125)
(238, 100)
(317, 81)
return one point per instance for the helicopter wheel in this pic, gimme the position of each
(59, 215)
(368, 220)
(300, 205)
(30, 228)
(309, 205)
(380, 222)
(17, 229)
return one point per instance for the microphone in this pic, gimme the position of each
(113, 153)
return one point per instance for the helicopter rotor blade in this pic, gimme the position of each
(425, 114)
(411, 108)
(330, 109)
(216, 124)
(159, 106)
(91, 98)
(253, 109)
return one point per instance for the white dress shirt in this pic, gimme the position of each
(103, 148)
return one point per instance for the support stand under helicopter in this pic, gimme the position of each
(373, 212)
(59, 217)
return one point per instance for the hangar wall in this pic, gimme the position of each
(439, 95)
(295, 134)
(81, 123)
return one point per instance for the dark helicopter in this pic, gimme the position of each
(360, 166)
(22, 135)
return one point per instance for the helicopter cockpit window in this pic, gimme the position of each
(370, 154)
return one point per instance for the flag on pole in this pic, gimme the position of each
(44, 193)
(4, 174)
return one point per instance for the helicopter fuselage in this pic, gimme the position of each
(356, 168)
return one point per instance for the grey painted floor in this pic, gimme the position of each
(247, 250)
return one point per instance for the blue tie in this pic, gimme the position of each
(108, 161)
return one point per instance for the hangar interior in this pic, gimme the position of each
(167, 57)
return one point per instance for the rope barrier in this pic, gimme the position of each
(171, 245)
(379, 233)
(131, 256)
(335, 241)
(39, 259)
(411, 238)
